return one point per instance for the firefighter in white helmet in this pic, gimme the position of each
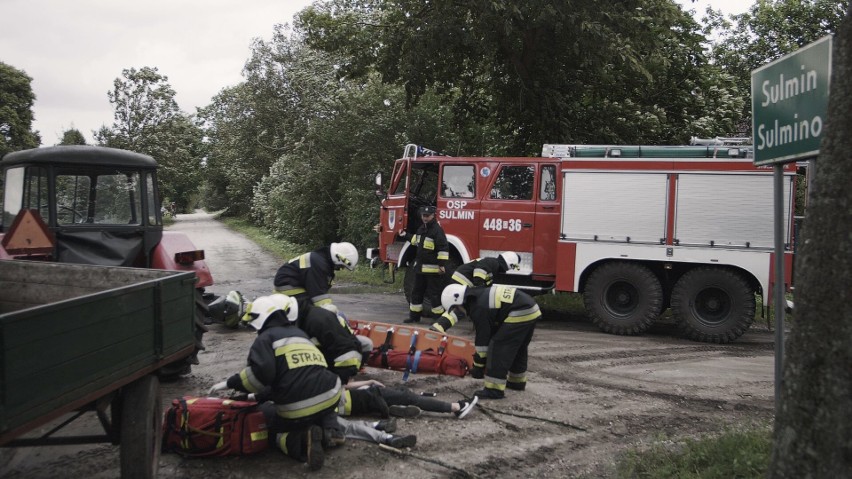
(505, 319)
(308, 277)
(479, 272)
(285, 367)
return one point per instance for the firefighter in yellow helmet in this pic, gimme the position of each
(505, 319)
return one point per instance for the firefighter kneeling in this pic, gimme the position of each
(505, 319)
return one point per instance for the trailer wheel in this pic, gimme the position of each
(623, 298)
(713, 305)
(141, 428)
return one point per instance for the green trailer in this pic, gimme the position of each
(83, 338)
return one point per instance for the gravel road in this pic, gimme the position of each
(590, 396)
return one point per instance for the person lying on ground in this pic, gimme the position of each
(364, 398)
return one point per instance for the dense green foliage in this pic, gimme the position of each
(16, 111)
(148, 120)
(769, 30)
(73, 137)
(539, 71)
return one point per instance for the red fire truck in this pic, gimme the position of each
(635, 229)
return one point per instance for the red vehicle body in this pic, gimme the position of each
(636, 229)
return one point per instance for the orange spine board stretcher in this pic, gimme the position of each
(401, 338)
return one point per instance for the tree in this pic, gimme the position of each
(543, 70)
(812, 427)
(769, 30)
(16, 111)
(148, 120)
(73, 137)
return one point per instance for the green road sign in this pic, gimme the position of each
(789, 101)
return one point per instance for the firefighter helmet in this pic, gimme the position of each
(344, 255)
(259, 310)
(453, 295)
(512, 260)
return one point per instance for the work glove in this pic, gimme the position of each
(220, 386)
(477, 372)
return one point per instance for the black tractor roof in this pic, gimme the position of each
(79, 155)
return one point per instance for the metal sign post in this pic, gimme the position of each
(789, 101)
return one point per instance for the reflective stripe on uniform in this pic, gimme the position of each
(282, 441)
(438, 310)
(462, 279)
(344, 407)
(311, 405)
(482, 274)
(428, 243)
(321, 299)
(523, 315)
(305, 261)
(517, 378)
(495, 383)
(250, 381)
(430, 268)
(416, 308)
(443, 255)
(499, 295)
(352, 358)
(290, 291)
(299, 352)
(451, 317)
(482, 351)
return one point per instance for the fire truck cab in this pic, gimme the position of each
(635, 229)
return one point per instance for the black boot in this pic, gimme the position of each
(488, 393)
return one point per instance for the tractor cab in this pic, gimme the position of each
(100, 204)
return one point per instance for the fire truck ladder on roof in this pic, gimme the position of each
(719, 141)
(714, 148)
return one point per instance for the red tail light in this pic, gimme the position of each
(189, 257)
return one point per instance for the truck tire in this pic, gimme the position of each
(713, 305)
(623, 298)
(141, 428)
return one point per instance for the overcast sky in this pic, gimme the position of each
(74, 49)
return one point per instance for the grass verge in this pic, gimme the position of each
(742, 454)
(362, 279)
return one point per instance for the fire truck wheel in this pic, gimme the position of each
(623, 298)
(713, 305)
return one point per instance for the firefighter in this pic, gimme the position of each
(308, 277)
(331, 334)
(432, 254)
(504, 318)
(285, 367)
(479, 272)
